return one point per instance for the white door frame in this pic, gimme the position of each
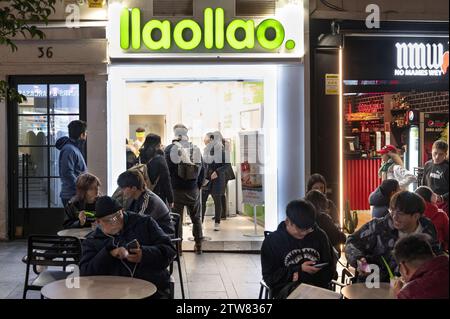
(120, 74)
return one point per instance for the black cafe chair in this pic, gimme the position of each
(177, 243)
(50, 251)
(265, 291)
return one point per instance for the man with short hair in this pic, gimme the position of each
(71, 160)
(425, 276)
(435, 173)
(187, 174)
(373, 242)
(144, 201)
(127, 244)
(289, 255)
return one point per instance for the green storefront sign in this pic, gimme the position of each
(214, 35)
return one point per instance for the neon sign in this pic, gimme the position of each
(214, 35)
(419, 59)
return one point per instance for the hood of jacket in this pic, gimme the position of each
(377, 198)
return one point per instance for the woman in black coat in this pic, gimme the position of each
(157, 169)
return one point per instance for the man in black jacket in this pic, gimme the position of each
(144, 201)
(187, 174)
(289, 254)
(105, 250)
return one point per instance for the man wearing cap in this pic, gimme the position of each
(127, 244)
(289, 254)
(392, 167)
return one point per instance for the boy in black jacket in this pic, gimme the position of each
(105, 251)
(289, 254)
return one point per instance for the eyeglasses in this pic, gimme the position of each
(114, 219)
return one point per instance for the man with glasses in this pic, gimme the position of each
(127, 244)
(297, 252)
(374, 242)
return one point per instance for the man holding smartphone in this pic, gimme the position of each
(127, 244)
(297, 252)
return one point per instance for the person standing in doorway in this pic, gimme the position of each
(152, 155)
(216, 175)
(71, 160)
(140, 138)
(186, 169)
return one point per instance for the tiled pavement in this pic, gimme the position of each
(206, 276)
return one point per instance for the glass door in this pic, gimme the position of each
(34, 126)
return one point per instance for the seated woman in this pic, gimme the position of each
(318, 182)
(80, 210)
(380, 198)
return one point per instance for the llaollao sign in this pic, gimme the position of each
(213, 35)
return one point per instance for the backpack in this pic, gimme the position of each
(186, 169)
(118, 194)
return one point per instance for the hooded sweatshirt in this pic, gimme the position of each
(430, 281)
(380, 203)
(282, 255)
(440, 221)
(436, 177)
(71, 165)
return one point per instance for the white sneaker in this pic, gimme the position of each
(216, 227)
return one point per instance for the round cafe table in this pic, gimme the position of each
(99, 287)
(80, 233)
(361, 291)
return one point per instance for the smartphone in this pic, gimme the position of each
(320, 265)
(134, 244)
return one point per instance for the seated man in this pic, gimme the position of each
(144, 201)
(373, 242)
(289, 254)
(105, 250)
(425, 276)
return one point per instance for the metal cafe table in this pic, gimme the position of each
(361, 291)
(99, 287)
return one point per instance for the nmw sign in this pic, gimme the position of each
(420, 59)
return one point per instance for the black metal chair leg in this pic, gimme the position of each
(181, 277)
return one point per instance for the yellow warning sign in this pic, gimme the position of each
(95, 3)
(332, 84)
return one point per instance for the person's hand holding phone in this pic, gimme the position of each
(119, 253)
(82, 218)
(135, 252)
(308, 267)
(363, 267)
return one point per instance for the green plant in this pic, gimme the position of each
(350, 219)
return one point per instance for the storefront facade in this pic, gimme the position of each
(394, 86)
(108, 71)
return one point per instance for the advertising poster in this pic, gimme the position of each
(252, 167)
(435, 126)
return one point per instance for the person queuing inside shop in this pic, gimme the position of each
(373, 242)
(424, 275)
(435, 214)
(380, 198)
(318, 182)
(185, 163)
(324, 221)
(297, 252)
(140, 138)
(392, 167)
(152, 155)
(217, 168)
(144, 201)
(435, 173)
(71, 159)
(80, 210)
(127, 244)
